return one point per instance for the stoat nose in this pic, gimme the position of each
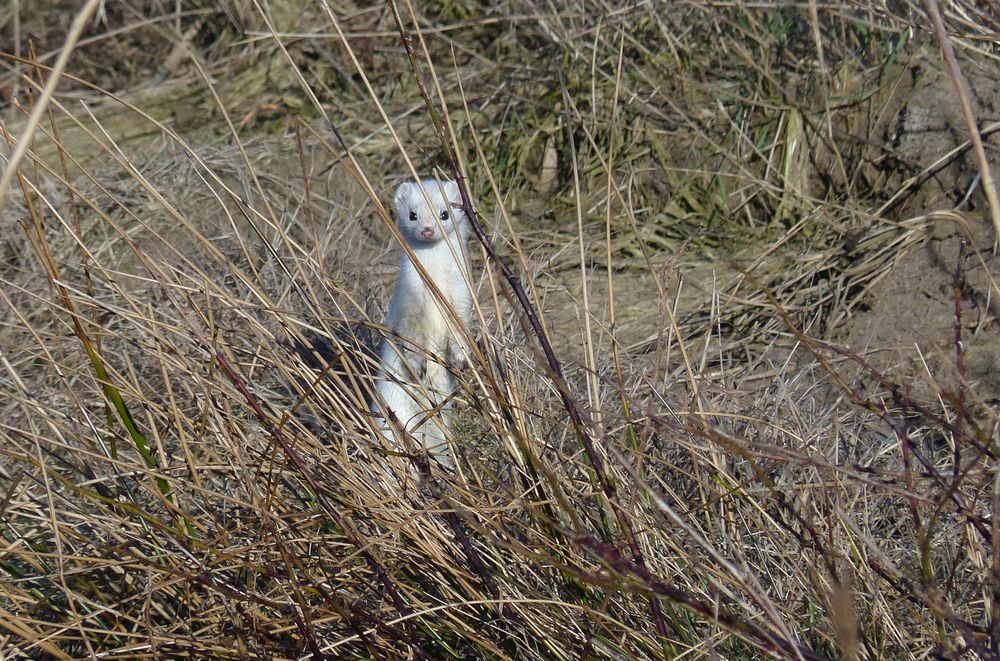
(427, 233)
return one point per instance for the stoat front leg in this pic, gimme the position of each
(416, 358)
(458, 351)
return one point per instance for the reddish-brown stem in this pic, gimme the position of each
(341, 521)
(552, 364)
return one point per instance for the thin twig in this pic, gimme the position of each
(342, 522)
(553, 366)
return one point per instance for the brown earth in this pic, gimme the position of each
(910, 316)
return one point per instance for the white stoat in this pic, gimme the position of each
(426, 330)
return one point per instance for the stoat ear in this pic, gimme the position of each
(452, 192)
(401, 198)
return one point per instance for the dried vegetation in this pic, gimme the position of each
(736, 388)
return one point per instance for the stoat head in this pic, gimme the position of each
(420, 223)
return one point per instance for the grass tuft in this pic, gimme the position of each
(733, 389)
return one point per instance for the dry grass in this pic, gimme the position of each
(665, 448)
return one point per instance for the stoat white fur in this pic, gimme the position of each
(413, 383)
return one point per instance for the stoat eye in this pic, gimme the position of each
(413, 215)
(444, 215)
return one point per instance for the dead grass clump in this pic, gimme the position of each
(662, 452)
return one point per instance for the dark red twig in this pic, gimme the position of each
(553, 366)
(750, 632)
(303, 470)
